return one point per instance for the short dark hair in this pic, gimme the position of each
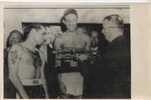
(29, 27)
(10, 35)
(116, 18)
(69, 11)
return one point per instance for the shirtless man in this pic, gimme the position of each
(25, 64)
(70, 78)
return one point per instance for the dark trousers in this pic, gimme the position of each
(9, 89)
(35, 91)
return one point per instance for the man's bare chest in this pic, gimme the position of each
(30, 58)
(72, 41)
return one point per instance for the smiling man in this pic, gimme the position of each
(115, 69)
(70, 77)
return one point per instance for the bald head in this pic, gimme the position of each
(113, 21)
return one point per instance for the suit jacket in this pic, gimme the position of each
(114, 69)
(117, 59)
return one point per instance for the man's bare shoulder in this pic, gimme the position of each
(64, 35)
(61, 37)
(16, 47)
(58, 41)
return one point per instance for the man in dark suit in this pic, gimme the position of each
(114, 64)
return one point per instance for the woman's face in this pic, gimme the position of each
(94, 37)
(15, 38)
(94, 34)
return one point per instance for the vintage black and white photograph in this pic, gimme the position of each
(67, 53)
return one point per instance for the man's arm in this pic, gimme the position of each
(85, 56)
(44, 83)
(57, 46)
(58, 43)
(14, 58)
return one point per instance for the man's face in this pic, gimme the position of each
(94, 34)
(71, 22)
(40, 36)
(109, 29)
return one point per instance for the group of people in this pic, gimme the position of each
(83, 69)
